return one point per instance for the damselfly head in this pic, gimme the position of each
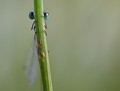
(32, 15)
(46, 15)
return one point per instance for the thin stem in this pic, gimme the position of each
(42, 46)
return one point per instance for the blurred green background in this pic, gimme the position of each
(83, 40)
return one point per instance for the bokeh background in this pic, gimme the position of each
(83, 40)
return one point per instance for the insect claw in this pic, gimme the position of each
(45, 25)
(45, 32)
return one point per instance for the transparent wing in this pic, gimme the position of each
(32, 64)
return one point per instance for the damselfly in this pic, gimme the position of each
(32, 63)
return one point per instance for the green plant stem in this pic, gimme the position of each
(42, 46)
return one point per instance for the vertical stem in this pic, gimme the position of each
(42, 46)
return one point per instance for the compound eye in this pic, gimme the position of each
(32, 15)
(46, 15)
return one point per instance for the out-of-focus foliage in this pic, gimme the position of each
(83, 40)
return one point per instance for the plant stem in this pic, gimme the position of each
(42, 46)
